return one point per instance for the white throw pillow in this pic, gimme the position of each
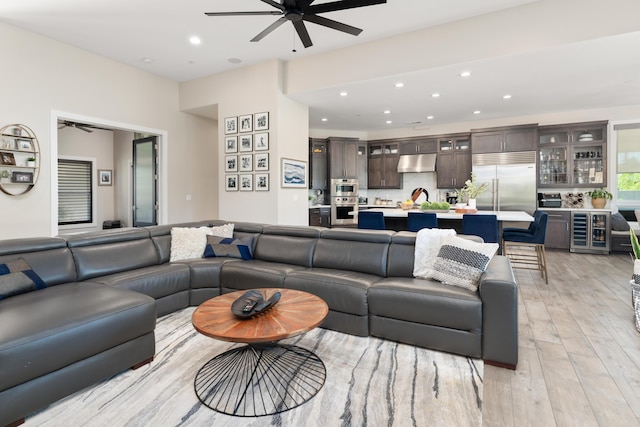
(461, 262)
(427, 246)
(189, 242)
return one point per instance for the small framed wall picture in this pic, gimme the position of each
(246, 162)
(262, 182)
(246, 182)
(261, 121)
(246, 143)
(246, 123)
(293, 173)
(230, 125)
(25, 145)
(261, 161)
(105, 177)
(7, 158)
(261, 141)
(231, 144)
(231, 182)
(22, 177)
(231, 163)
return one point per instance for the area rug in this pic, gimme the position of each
(369, 382)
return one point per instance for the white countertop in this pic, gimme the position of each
(502, 215)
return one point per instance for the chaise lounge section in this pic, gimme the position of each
(105, 289)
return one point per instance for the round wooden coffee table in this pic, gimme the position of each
(263, 377)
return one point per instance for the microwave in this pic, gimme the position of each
(344, 187)
(549, 200)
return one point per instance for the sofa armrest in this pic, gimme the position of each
(499, 294)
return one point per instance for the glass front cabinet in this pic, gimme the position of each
(573, 155)
(590, 231)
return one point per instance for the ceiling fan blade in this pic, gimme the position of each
(274, 4)
(266, 12)
(302, 33)
(330, 23)
(269, 29)
(79, 126)
(341, 5)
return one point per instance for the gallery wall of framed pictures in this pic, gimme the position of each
(246, 148)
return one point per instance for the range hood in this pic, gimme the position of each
(417, 163)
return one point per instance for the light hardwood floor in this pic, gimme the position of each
(579, 358)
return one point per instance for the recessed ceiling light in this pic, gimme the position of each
(435, 95)
(506, 96)
(399, 84)
(195, 40)
(344, 93)
(147, 60)
(465, 74)
(234, 60)
(429, 117)
(387, 111)
(476, 112)
(324, 119)
(389, 122)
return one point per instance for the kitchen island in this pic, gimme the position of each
(396, 218)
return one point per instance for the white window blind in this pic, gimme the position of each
(628, 150)
(74, 192)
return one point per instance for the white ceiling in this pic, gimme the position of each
(594, 74)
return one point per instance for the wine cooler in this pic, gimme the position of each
(590, 232)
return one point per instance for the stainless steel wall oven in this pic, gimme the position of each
(344, 199)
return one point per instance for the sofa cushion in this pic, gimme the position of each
(343, 291)
(190, 242)
(17, 277)
(254, 273)
(64, 324)
(156, 281)
(226, 247)
(461, 262)
(426, 302)
(618, 223)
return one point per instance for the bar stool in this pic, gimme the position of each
(419, 220)
(371, 220)
(525, 249)
(485, 226)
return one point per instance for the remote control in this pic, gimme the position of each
(266, 304)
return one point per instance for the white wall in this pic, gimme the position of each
(46, 76)
(251, 90)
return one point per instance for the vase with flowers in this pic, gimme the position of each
(471, 191)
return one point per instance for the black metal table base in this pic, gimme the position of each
(260, 379)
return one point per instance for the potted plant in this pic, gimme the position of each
(31, 162)
(5, 175)
(471, 191)
(599, 197)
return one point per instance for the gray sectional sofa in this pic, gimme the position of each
(105, 289)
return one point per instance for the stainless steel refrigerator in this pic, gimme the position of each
(511, 178)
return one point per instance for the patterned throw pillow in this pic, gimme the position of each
(225, 247)
(461, 262)
(17, 277)
(189, 242)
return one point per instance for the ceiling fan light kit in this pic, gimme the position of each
(298, 11)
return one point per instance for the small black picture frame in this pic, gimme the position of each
(22, 177)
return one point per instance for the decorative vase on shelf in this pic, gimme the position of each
(471, 203)
(31, 163)
(598, 203)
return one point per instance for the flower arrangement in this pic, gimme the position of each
(471, 190)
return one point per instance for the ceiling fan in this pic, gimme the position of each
(297, 11)
(81, 126)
